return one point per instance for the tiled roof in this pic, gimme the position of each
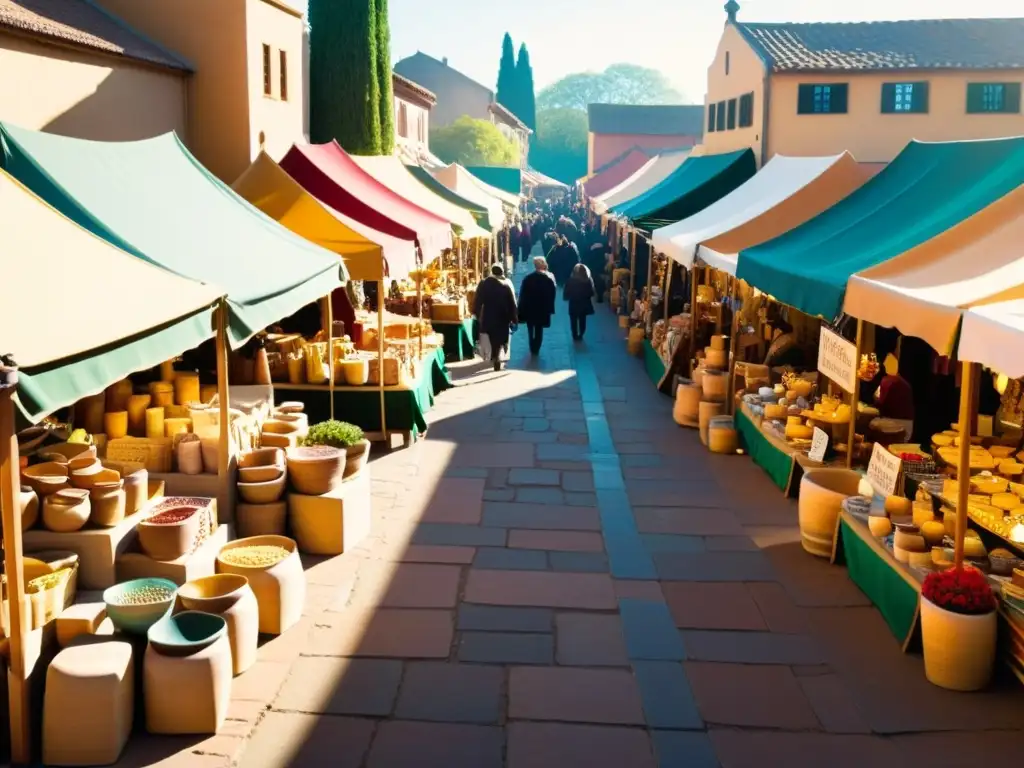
(83, 24)
(643, 120)
(403, 82)
(920, 44)
(508, 116)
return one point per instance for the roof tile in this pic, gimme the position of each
(647, 120)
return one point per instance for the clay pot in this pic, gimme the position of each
(300, 420)
(715, 385)
(83, 462)
(108, 504)
(186, 633)
(705, 412)
(137, 618)
(356, 457)
(136, 490)
(280, 588)
(687, 404)
(94, 475)
(959, 650)
(229, 596)
(316, 469)
(262, 493)
(169, 541)
(291, 406)
(261, 465)
(46, 478)
(29, 507)
(261, 519)
(70, 451)
(822, 492)
(66, 511)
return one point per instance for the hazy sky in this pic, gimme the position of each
(676, 36)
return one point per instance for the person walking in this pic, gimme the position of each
(495, 311)
(526, 241)
(579, 292)
(537, 302)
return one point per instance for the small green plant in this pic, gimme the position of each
(339, 434)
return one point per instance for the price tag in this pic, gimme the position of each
(883, 471)
(819, 444)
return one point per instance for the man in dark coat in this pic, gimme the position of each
(495, 310)
(537, 302)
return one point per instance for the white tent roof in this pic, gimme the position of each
(924, 291)
(993, 335)
(652, 173)
(463, 183)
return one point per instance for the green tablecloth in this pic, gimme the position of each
(405, 409)
(653, 364)
(773, 460)
(458, 338)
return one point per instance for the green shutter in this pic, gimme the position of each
(920, 96)
(720, 116)
(1011, 98)
(839, 99)
(711, 118)
(732, 115)
(805, 100)
(888, 98)
(975, 101)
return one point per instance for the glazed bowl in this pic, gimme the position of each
(213, 594)
(262, 493)
(46, 478)
(186, 633)
(134, 606)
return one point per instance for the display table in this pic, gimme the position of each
(405, 406)
(458, 338)
(784, 465)
(653, 363)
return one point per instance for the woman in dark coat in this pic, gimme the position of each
(537, 302)
(579, 292)
(495, 310)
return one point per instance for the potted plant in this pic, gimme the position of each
(958, 629)
(345, 436)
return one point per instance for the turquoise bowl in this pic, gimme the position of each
(137, 619)
(186, 633)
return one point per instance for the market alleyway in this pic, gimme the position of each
(560, 576)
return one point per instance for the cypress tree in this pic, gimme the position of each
(344, 93)
(526, 108)
(387, 94)
(507, 94)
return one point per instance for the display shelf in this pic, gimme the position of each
(653, 364)
(784, 464)
(950, 504)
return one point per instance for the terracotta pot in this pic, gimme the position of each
(71, 450)
(317, 469)
(136, 490)
(66, 511)
(356, 457)
(959, 650)
(715, 385)
(108, 504)
(228, 595)
(261, 465)
(261, 519)
(262, 493)
(169, 541)
(94, 475)
(29, 507)
(821, 496)
(46, 478)
(687, 405)
(280, 588)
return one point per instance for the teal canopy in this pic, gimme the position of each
(154, 200)
(423, 176)
(927, 189)
(692, 187)
(506, 179)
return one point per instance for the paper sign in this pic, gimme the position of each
(837, 359)
(818, 445)
(883, 471)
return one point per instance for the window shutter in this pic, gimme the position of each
(732, 115)
(975, 103)
(720, 116)
(1011, 98)
(805, 100)
(920, 96)
(888, 98)
(839, 99)
(711, 118)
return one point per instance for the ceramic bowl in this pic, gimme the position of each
(94, 475)
(261, 465)
(137, 619)
(262, 493)
(186, 633)
(70, 450)
(83, 462)
(291, 406)
(46, 478)
(213, 594)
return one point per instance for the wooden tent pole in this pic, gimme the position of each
(968, 393)
(694, 317)
(632, 273)
(330, 352)
(419, 303)
(854, 397)
(380, 361)
(668, 285)
(457, 251)
(221, 349)
(734, 337)
(14, 566)
(649, 323)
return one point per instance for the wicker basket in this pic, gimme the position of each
(155, 453)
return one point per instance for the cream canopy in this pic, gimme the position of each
(462, 182)
(993, 335)
(649, 176)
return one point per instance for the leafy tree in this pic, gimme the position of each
(344, 92)
(527, 106)
(618, 84)
(473, 142)
(507, 94)
(560, 146)
(387, 92)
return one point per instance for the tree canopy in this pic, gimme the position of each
(560, 146)
(507, 93)
(473, 142)
(526, 106)
(618, 84)
(387, 91)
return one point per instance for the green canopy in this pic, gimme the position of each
(692, 187)
(154, 200)
(423, 176)
(927, 189)
(506, 179)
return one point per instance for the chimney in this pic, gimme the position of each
(731, 9)
(444, 61)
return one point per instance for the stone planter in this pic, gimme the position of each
(959, 650)
(822, 492)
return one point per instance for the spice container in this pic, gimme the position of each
(170, 534)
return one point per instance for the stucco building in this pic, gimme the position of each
(413, 104)
(249, 89)
(819, 89)
(616, 129)
(69, 67)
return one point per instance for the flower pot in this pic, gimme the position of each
(66, 511)
(228, 595)
(108, 504)
(821, 496)
(959, 650)
(186, 633)
(261, 519)
(316, 469)
(274, 570)
(356, 457)
(170, 534)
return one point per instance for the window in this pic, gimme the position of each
(726, 62)
(904, 98)
(268, 83)
(822, 99)
(746, 110)
(1002, 98)
(403, 121)
(283, 74)
(732, 114)
(711, 118)
(421, 128)
(720, 115)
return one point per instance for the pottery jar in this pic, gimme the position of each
(170, 534)
(66, 511)
(959, 650)
(822, 492)
(229, 596)
(108, 504)
(317, 469)
(279, 585)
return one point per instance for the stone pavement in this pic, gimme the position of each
(560, 576)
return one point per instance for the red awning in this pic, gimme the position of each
(616, 172)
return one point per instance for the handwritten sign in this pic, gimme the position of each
(883, 471)
(837, 359)
(819, 444)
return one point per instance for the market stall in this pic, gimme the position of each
(648, 176)
(463, 183)
(614, 173)
(478, 211)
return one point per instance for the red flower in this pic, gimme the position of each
(961, 591)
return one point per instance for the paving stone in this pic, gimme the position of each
(574, 695)
(765, 748)
(454, 500)
(714, 566)
(730, 544)
(572, 439)
(669, 542)
(556, 745)
(536, 424)
(533, 438)
(712, 605)
(569, 426)
(833, 704)
(533, 477)
(407, 585)
(579, 562)
(646, 460)
(540, 496)
(450, 693)
(261, 682)
(495, 558)
(402, 744)
(688, 521)
(475, 472)
(528, 406)
(506, 648)
(752, 647)
(499, 494)
(778, 609)
(650, 632)
(548, 517)
(638, 590)
(425, 553)
(444, 534)
(508, 423)
(957, 749)
(496, 455)
(677, 749)
(667, 699)
(580, 591)
(497, 477)
(381, 632)
(562, 452)
(339, 686)
(578, 481)
(752, 696)
(489, 618)
(564, 541)
(581, 499)
(286, 738)
(590, 640)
